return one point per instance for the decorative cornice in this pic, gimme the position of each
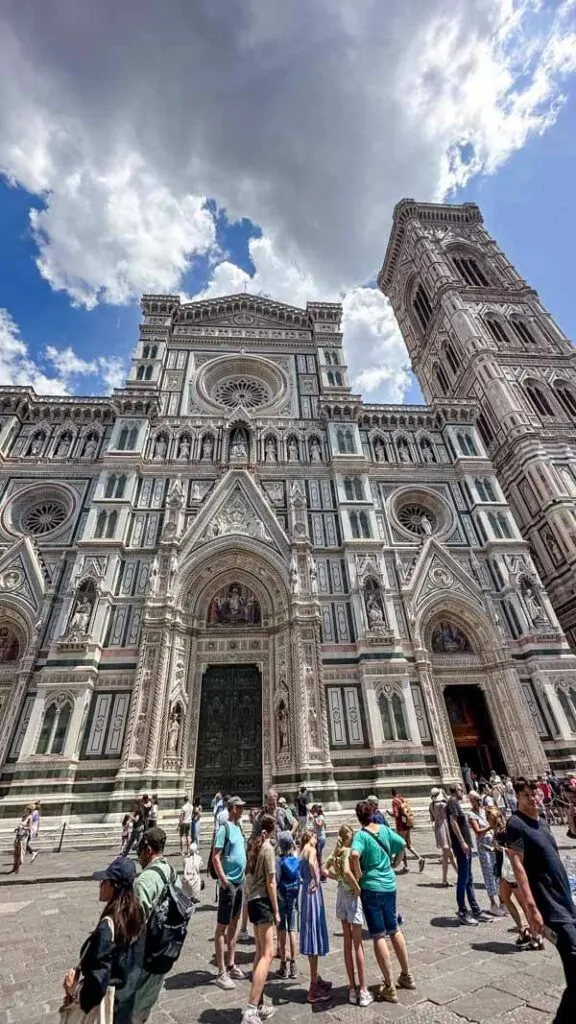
(431, 213)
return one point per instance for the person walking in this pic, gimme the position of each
(185, 825)
(301, 806)
(153, 816)
(485, 847)
(111, 958)
(319, 826)
(376, 849)
(437, 811)
(461, 839)
(196, 816)
(149, 888)
(262, 901)
(349, 913)
(379, 816)
(543, 886)
(288, 886)
(404, 822)
(229, 862)
(313, 928)
(137, 828)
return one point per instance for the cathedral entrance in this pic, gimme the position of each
(472, 729)
(229, 750)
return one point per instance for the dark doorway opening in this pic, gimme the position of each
(473, 731)
(229, 749)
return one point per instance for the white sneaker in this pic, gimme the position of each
(225, 981)
(243, 936)
(250, 1016)
(353, 996)
(365, 997)
(237, 973)
(468, 919)
(265, 1012)
(34, 855)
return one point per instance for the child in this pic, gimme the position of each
(349, 912)
(288, 884)
(313, 929)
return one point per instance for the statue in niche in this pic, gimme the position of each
(153, 577)
(239, 446)
(176, 497)
(379, 451)
(426, 526)
(90, 447)
(449, 639)
(174, 731)
(313, 726)
(161, 447)
(184, 448)
(552, 545)
(235, 605)
(294, 576)
(270, 450)
(293, 453)
(533, 606)
(9, 646)
(313, 575)
(81, 616)
(207, 448)
(315, 450)
(403, 453)
(195, 491)
(282, 723)
(63, 446)
(173, 567)
(375, 613)
(35, 446)
(427, 451)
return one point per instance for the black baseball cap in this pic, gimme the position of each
(121, 872)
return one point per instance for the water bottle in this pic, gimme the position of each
(570, 865)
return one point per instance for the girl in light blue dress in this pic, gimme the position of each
(313, 928)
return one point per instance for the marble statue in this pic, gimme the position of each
(270, 450)
(161, 447)
(81, 616)
(239, 448)
(293, 453)
(195, 491)
(426, 526)
(282, 719)
(35, 446)
(315, 450)
(313, 726)
(89, 450)
(294, 576)
(533, 607)
(379, 451)
(375, 614)
(184, 448)
(174, 731)
(207, 449)
(313, 575)
(63, 447)
(153, 577)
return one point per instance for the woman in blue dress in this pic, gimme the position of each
(313, 928)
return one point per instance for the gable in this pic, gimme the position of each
(245, 311)
(22, 576)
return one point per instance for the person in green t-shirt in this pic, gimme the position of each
(375, 851)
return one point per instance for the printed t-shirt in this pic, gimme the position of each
(376, 863)
(545, 871)
(265, 865)
(186, 813)
(234, 851)
(455, 813)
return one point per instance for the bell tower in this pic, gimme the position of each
(476, 331)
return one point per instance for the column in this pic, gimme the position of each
(446, 756)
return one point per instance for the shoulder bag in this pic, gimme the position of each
(72, 1013)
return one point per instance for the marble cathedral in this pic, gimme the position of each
(234, 572)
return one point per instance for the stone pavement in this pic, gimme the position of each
(463, 974)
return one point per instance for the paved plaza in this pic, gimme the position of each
(463, 974)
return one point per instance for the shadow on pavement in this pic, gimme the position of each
(445, 922)
(496, 947)
(189, 979)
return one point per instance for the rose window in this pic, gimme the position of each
(417, 518)
(247, 391)
(43, 517)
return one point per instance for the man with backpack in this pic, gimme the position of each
(404, 823)
(167, 912)
(228, 865)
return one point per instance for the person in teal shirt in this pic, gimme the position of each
(229, 862)
(375, 851)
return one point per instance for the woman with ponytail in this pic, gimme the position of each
(349, 912)
(262, 903)
(103, 986)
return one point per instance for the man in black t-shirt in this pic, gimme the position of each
(301, 806)
(543, 885)
(461, 839)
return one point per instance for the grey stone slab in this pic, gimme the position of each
(486, 1004)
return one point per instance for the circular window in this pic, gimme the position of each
(43, 517)
(416, 518)
(247, 391)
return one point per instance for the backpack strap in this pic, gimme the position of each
(167, 881)
(379, 841)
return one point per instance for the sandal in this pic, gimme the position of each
(524, 938)
(536, 942)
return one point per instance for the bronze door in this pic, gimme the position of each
(229, 750)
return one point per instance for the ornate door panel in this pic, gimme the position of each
(229, 751)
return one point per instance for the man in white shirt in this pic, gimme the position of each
(185, 825)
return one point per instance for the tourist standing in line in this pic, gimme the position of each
(217, 803)
(229, 861)
(376, 849)
(153, 816)
(185, 825)
(404, 823)
(271, 808)
(222, 813)
(301, 806)
(485, 847)
(544, 886)
(111, 957)
(289, 819)
(461, 839)
(437, 811)
(313, 928)
(379, 816)
(349, 913)
(288, 886)
(467, 776)
(262, 900)
(319, 826)
(196, 815)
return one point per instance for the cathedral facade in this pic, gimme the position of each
(235, 573)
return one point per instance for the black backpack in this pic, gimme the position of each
(167, 926)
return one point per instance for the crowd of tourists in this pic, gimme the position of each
(275, 880)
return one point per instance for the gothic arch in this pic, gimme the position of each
(15, 614)
(229, 559)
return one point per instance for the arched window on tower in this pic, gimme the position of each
(140, 373)
(470, 271)
(500, 525)
(391, 707)
(452, 358)
(566, 398)
(441, 378)
(466, 443)
(422, 306)
(523, 331)
(567, 700)
(485, 489)
(497, 330)
(538, 399)
(345, 440)
(110, 486)
(146, 352)
(353, 489)
(359, 525)
(148, 374)
(485, 430)
(154, 352)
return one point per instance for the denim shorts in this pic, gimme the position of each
(380, 912)
(287, 911)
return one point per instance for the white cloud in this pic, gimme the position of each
(310, 118)
(111, 369)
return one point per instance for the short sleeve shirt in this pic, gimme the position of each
(544, 869)
(234, 851)
(375, 861)
(186, 813)
(265, 865)
(454, 813)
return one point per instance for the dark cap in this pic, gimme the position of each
(154, 838)
(121, 872)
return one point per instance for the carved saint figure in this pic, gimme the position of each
(293, 453)
(313, 575)
(207, 448)
(533, 607)
(174, 731)
(375, 614)
(426, 526)
(81, 616)
(379, 451)
(239, 448)
(294, 576)
(161, 447)
(153, 577)
(313, 726)
(35, 446)
(195, 491)
(315, 450)
(282, 720)
(89, 450)
(9, 646)
(184, 448)
(270, 450)
(63, 446)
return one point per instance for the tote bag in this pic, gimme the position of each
(72, 1013)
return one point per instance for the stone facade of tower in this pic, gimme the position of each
(234, 573)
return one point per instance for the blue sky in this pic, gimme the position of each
(288, 172)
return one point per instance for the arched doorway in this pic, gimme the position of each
(472, 729)
(229, 749)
